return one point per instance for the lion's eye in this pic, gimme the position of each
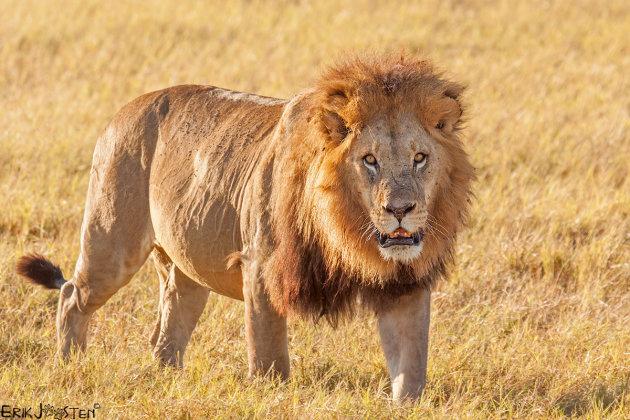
(369, 159)
(419, 159)
(439, 125)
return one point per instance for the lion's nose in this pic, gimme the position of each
(399, 211)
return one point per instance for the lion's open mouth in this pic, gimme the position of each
(399, 237)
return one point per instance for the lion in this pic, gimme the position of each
(347, 196)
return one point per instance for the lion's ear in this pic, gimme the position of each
(334, 123)
(454, 90)
(452, 111)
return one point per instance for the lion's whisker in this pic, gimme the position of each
(435, 221)
(434, 229)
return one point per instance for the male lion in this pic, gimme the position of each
(349, 194)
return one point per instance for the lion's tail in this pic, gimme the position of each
(38, 270)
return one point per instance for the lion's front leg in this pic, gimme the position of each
(266, 330)
(404, 330)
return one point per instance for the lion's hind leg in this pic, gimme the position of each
(96, 279)
(182, 301)
(116, 235)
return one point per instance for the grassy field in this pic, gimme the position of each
(534, 321)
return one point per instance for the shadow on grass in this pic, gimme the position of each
(331, 374)
(598, 397)
(16, 351)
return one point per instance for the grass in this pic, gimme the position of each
(534, 321)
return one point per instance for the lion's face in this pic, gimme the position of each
(394, 164)
(390, 181)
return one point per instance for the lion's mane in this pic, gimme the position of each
(321, 265)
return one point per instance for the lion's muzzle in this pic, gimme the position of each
(399, 237)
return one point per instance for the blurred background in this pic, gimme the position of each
(533, 321)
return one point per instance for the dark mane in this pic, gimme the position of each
(306, 285)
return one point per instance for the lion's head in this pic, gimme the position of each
(376, 186)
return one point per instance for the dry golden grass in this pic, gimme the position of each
(535, 319)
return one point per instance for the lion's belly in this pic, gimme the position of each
(198, 232)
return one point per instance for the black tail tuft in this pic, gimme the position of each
(38, 270)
